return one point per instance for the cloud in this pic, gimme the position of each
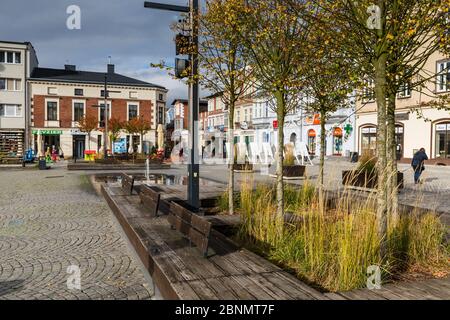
(133, 36)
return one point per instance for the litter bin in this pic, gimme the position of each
(42, 164)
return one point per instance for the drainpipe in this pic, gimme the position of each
(26, 108)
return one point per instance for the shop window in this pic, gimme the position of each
(443, 140)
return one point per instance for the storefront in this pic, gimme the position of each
(45, 140)
(11, 144)
(442, 150)
(337, 141)
(312, 141)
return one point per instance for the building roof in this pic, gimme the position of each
(185, 101)
(75, 76)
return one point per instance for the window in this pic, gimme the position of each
(52, 111)
(161, 97)
(78, 111)
(443, 81)
(369, 140)
(79, 92)
(133, 95)
(10, 84)
(10, 111)
(10, 57)
(443, 140)
(102, 113)
(52, 90)
(132, 111)
(161, 115)
(404, 91)
(368, 93)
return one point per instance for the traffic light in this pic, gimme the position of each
(181, 66)
(182, 44)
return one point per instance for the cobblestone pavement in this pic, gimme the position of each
(52, 220)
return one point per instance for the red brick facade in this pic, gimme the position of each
(118, 111)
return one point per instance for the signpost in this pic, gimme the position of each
(193, 166)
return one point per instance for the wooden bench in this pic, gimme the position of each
(195, 228)
(127, 184)
(150, 199)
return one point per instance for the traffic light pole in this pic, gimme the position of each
(194, 164)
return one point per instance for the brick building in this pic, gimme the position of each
(62, 97)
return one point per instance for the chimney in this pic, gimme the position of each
(70, 67)
(111, 68)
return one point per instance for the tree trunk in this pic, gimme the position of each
(280, 184)
(231, 160)
(380, 93)
(89, 141)
(392, 183)
(322, 159)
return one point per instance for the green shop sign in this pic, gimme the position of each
(48, 132)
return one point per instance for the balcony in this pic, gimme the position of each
(52, 124)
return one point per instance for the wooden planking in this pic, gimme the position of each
(127, 184)
(150, 200)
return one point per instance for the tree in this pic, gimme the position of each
(115, 126)
(276, 39)
(389, 41)
(88, 124)
(225, 64)
(141, 126)
(131, 127)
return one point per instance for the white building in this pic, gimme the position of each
(17, 62)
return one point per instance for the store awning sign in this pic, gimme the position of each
(48, 132)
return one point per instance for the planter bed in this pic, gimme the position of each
(365, 180)
(243, 168)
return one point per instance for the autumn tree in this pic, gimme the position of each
(389, 41)
(115, 126)
(138, 126)
(224, 64)
(276, 39)
(88, 124)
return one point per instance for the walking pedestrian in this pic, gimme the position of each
(418, 164)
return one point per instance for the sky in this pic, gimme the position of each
(132, 35)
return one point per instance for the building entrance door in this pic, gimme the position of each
(79, 146)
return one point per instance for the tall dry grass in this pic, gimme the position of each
(333, 248)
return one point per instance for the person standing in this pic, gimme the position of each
(418, 164)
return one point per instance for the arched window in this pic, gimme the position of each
(443, 140)
(312, 141)
(369, 140)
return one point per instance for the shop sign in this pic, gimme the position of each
(275, 124)
(48, 132)
(442, 127)
(77, 132)
(120, 146)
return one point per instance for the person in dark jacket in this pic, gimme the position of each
(418, 164)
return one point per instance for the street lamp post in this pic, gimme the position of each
(105, 147)
(193, 166)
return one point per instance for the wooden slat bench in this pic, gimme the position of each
(127, 184)
(195, 228)
(150, 199)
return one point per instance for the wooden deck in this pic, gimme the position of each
(229, 273)
(180, 271)
(432, 289)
